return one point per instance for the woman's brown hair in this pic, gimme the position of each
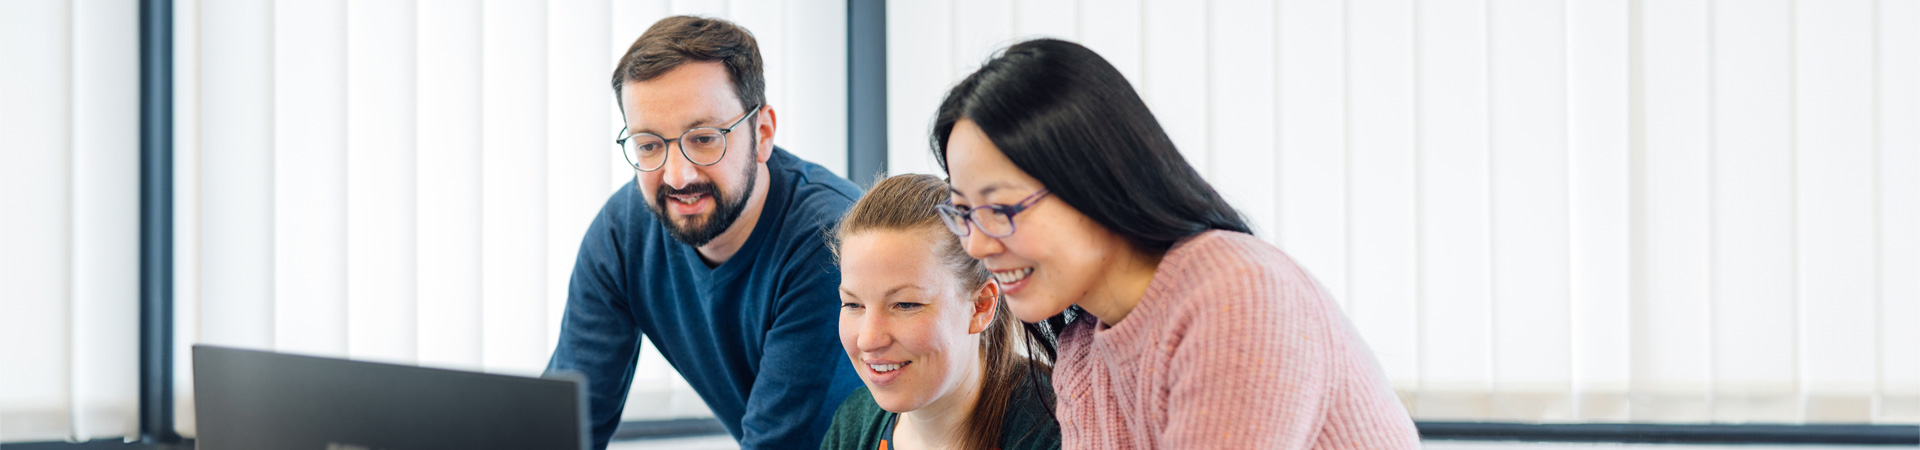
(905, 203)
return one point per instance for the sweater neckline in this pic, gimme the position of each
(1172, 268)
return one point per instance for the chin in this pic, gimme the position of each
(896, 404)
(691, 222)
(1034, 311)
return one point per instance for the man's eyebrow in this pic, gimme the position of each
(706, 122)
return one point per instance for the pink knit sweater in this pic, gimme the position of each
(1233, 346)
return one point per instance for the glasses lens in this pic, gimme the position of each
(646, 151)
(993, 222)
(955, 220)
(704, 145)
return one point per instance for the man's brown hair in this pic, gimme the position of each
(682, 39)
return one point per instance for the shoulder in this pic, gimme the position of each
(623, 219)
(858, 404)
(621, 205)
(1029, 423)
(856, 424)
(816, 201)
(1226, 266)
(816, 193)
(1219, 249)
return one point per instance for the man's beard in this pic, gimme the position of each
(727, 209)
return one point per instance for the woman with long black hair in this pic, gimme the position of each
(1194, 333)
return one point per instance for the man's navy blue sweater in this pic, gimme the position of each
(757, 336)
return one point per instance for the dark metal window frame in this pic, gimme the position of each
(866, 160)
(866, 90)
(156, 222)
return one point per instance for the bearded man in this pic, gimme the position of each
(716, 252)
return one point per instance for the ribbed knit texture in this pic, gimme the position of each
(1233, 346)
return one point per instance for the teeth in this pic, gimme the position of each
(686, 200)
(1012, 276)
(884, 368)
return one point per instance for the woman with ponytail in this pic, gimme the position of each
(944, 361)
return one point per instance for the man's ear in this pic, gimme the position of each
(985, 300)
(765, 124)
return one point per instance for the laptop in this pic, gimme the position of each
(250, 399)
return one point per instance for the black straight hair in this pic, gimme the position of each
(1064, 115)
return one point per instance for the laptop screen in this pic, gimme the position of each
(249, 399)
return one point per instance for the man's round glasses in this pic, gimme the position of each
(994, 220)
(702, 146)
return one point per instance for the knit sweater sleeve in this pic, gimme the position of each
(1252, 364)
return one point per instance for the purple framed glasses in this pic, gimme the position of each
(994, 220)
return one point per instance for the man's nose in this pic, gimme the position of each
(678, 172)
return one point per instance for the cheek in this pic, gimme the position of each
(1049, 236)
(930, 336)
(647, 183)
(1068, 251)
(921, 338)
(850, 334)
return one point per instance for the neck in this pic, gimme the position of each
(1122, 285)
(722, 247)
(942, 423)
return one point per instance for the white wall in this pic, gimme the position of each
(1653, 211)
(408, 181)
(69, 242)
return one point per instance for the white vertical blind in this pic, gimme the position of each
(308, 74)
(1451, 133)
(1835, 180)
(1310, 113)
(1529, 188)
(447, 116)
(106, 218)
(918, 75)
(1243, 27)
(186, 201)
(1173, 45)
(1751, 157)
(36, 386)
(513, 185)
(409, 181)
(1671, 325)
(381, 192)
(1598, 210)
(1673, 211)
(1897, 155)
(577, 140)
(68, 249)
(1380, 182)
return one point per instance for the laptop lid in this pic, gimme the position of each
(249, 399)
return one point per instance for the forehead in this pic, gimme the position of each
(695, 93)
(976, 168)
(882, 259)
